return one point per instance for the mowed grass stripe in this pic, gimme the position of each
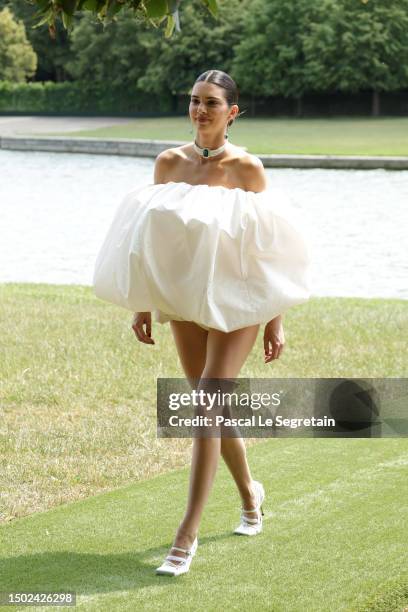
(334, 533)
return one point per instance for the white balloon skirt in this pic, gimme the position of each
(222, 258)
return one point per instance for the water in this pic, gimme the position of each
(55, 209)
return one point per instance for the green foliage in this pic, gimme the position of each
(37, 97)
(155, 8)
(290, 48)
(18, 61)
(269, 58)
(152, 63)
(356, 46)
(111, 54)
(270, 48)
(173, 65)
(76, 97)
(152, 12)
(52, 53)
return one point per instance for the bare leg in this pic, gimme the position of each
(224, 355)
(233, 451)
(204, 463)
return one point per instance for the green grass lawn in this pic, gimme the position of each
(335, 136)
(78, 391)
(91, 498)
(334, 537)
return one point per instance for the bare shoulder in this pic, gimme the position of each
(165, 163)
(252, 171)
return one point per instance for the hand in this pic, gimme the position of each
(274, 339)
(139, 320)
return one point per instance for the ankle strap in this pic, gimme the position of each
(171, 558)
(249, 521)
(188, 552)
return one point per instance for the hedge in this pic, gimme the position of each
(78, 97)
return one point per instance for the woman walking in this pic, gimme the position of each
(212, 258)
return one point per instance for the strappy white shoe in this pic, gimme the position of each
(253, 526)
(168, 568)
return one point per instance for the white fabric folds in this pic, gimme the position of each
(223, 258)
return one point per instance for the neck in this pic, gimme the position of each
(212, 142)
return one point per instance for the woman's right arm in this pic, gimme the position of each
(141, 319)
(144, 319)
(162, 166)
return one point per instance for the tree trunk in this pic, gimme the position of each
(58, 74)
(299, 106)
(253, 105)
(375, 104)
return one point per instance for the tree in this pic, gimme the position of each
(150, 63)
(17, 58)
(290, 48)
(112, 56)
(359, 46)
(173, 65)
(269, 59)
(52, 53)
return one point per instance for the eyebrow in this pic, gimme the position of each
(208, 97)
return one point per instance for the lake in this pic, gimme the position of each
(55, 209)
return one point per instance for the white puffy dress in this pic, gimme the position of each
(223, 258)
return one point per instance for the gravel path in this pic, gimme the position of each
(21, 125)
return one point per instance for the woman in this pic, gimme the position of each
(211, 341)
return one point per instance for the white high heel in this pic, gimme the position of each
(168, 568)
(253, 526)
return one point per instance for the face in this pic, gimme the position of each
(209, 110)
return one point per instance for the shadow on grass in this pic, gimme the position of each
(88, 573)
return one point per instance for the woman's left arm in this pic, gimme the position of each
(274, 339)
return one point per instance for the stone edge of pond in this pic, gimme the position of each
(151, 148)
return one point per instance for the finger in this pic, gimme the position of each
(268, 357)
(275, 350)
(148, 333)
(145, 338)
(139, 333)
(268, 347)
(273, 353)
(266, 344)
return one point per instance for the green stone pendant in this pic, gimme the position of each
(205, 152)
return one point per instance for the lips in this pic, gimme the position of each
(202, 120)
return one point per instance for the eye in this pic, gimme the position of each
(210, 102)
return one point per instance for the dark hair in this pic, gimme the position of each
(222, 79)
